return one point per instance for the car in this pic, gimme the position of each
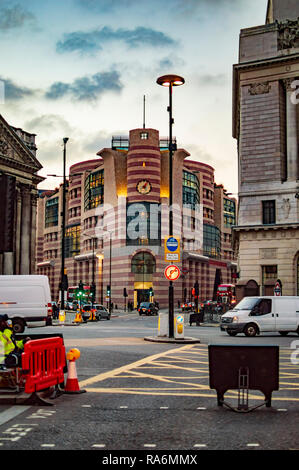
(147, 308)
(86, 311)
(187, 306)
(101, 312)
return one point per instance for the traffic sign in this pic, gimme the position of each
(277, 289)
(172, 249)
(172, 272)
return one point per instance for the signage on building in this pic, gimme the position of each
(172, 272)
(172, 249)
(277, 289)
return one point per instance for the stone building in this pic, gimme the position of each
(18, 199)
(117, 221)
(266, 126)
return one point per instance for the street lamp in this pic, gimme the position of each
(170, 81)
(63, 276)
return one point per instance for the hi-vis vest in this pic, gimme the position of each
(8, 344)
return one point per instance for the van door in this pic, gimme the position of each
(285, 314)
(263, 315)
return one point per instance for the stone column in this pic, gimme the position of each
(33, 232)
(292, 136)
(25, 231)
(18, 230)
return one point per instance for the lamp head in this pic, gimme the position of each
(170, 80)
(65, 139)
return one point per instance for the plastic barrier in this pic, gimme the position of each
(43, 362)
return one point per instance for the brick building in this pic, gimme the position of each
(117, 220)
(266, 125)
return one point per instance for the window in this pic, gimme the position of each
(143, 263)
(144, 135)
(298, 276)
(94, 190)
(190, 190)
(72, 241)
(51, 212)
(229, 212)
(269, 216)
(269, 273)
(211, 241)
(263, 307)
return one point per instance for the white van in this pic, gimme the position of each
(26, 299)
(255, 315)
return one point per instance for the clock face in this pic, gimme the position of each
(144, 187)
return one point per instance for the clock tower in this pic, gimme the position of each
(144, 166)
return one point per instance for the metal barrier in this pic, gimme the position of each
(43, 362)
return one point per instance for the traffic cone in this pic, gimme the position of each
(72, 384)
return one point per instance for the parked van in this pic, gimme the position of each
(255, 315)
(26, 299)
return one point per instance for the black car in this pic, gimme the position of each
(148, 308)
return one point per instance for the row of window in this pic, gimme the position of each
(51, 237)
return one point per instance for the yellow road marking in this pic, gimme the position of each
(176, 359)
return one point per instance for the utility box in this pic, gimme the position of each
(179, 327)
(163, 325)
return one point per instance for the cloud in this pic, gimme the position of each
(87, 88)
(88, 42)
(212, 80)
(14, 92)
(14, 17)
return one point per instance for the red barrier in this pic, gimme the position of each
(43, 361)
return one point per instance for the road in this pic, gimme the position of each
(148, 396)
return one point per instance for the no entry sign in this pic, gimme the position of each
(172, 272)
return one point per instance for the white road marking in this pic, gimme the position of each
(11, 413)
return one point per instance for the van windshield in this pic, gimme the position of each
(247, 303)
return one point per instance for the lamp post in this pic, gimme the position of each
(170, 81)
(63, 276)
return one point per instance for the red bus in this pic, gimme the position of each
(226, 293)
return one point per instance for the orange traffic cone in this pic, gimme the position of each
(72, 384)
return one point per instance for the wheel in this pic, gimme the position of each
(231, 333)
(283, 333)
(18, 326)
(250, 330)
(99, 317)
(108, 318)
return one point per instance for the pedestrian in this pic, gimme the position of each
(10, 348)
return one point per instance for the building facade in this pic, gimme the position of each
(117, 221)
(18, 194)
(266, 126)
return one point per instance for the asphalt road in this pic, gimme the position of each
(150, 397)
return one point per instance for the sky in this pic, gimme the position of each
(80, 69)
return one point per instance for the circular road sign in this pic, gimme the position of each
(172, 272)
(172, 244)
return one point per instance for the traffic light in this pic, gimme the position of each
(93, 290)
(151, 292)
(108, 291)
(125, 292)
(81, 287)
(196, 289)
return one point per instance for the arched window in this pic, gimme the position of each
(143, 263)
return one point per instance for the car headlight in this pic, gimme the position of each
(235, 319)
